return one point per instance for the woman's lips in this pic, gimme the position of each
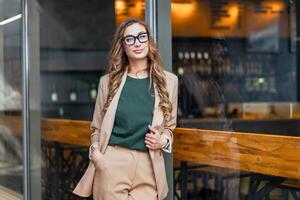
(138, 51)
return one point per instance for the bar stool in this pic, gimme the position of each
(62, 168)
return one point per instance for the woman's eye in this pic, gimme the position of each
(142, 37)
(129, 40)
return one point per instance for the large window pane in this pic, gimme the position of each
(11, 128)
(237, 65)
(70, 54)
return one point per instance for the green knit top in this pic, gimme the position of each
(133, 115)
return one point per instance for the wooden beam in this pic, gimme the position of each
(269, 154)
(67, 131)
(260, 153)
(58, 130)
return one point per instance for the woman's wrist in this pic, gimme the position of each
(92, 148)
(164, 142)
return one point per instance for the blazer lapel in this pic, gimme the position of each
(157, 119)
(109, 117)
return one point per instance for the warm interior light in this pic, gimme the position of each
(120, 5)
(129, 9)
(182, 9)
(271, 17)
(10, 19)
(234, 11)
(277, 6)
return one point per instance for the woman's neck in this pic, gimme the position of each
(138, 67)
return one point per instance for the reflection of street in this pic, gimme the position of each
(10, 98)
(9, 194)
(11, 169)
(197, 94)
(201, 96)
(203, 99)
(191, 95)
(202, 88)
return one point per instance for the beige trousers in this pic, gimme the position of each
(124, 174)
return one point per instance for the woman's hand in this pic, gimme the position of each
(95, 154)
(153, 139)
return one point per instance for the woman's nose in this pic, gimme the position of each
(137, 43)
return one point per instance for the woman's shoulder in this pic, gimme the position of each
(171, 76)
(104, 78)
(103, 81)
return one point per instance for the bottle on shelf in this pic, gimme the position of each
(183, 64)
(186, 60)
(193, 61)
(61, 111)
(207, 64)
(54, 94)
(73, 95)
(93, 92)
(180, 69)
(180, 55)
(265, 85)
(199, 63)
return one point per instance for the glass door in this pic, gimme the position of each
(11, 98)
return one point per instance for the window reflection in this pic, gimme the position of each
(75, 39)
(237, 68)
(11, 96)
(73, 45)
(234, 55)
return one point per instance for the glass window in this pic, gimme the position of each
(11, 96)
(70, 52)
(237, 68)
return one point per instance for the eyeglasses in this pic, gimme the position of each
(130, 39)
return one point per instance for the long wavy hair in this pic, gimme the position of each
(118, 62)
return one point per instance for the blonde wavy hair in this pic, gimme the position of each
(118, 61)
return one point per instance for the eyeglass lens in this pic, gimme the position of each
(130, 39)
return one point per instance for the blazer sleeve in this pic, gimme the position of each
(95, 125)
(171, 124)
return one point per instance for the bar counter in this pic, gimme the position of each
(272, 154)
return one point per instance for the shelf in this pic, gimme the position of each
(67, 103)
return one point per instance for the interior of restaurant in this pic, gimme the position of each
(237, 66)
(237, 60)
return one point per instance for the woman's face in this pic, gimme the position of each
(135, 42)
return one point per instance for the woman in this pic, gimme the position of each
(126, 159)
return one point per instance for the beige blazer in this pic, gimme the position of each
(104, 124)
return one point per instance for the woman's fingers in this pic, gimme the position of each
(150, 145)
(95, 155)
(150, 137)
(152, 141)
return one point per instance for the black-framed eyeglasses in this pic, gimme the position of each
(130, 39)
